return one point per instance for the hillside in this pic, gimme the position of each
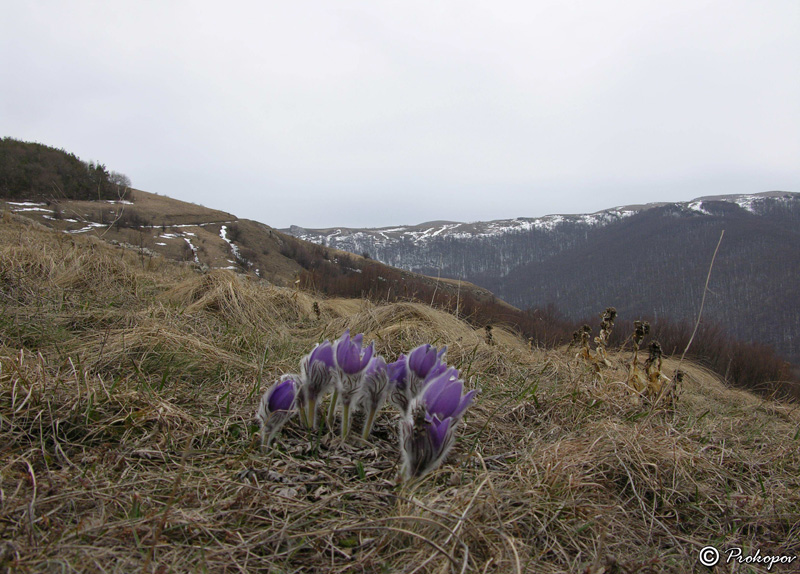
(33, 170)
(57, 189)
(127, 393)
(153, 226)
(646, 260)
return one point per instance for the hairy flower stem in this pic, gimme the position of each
(345, 420)
(332, 409)
(311, 417)
(368, 425)
(302, 413)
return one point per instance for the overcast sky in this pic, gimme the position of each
(364, 114)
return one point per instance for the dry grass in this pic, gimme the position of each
(163, 225)
(127, 441)
(156, 208)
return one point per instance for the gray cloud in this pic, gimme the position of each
(367, 114)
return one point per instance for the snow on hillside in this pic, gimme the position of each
(359, 240)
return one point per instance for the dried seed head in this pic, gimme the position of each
(640, 330)
(655, 351)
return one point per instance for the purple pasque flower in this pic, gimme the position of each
(351, 362)
(425, 441)
(422, 359)
(424, 362)
(316, 373)
(398, 383)
(349, 355)
(427, 432)
(444, 396)
(373, 391)
(322, 353)
(277, 406)
(283, 395)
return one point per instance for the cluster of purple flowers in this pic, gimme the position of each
(428, 394)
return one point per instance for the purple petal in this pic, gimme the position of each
(376, 365)
(437, 370)
(344, 350)
(446, 402)
(416, 356)
(434, 387)
(282, 396)
(343, 340)
(322, 353)
(466, 401)
(397, 372)
(437, 384)
(422, 359)
(347, 358)
(368, 352)
(350, 357)
(437, 430)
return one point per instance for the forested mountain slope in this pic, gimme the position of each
(649, 260)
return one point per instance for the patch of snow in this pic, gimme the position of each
(26, 203)
(88, 227)
(698, 207)
(180, 225)
(19, 209)
(445, 228)
(746, 203)
(549, 222)
(223, 233)
(159, 243)
(193, 248)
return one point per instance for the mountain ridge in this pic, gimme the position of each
(648, 261)
(743, 200)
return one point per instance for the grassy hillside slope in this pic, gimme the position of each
(158, 225)
(127, 443)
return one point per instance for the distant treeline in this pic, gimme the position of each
(36, 171)
(748, 365)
